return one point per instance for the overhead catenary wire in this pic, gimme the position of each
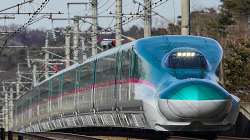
(129, 19)
(17, 5)
(109, 28)
(107, 9)
(29, 22)
(154, 5)
(106, 2)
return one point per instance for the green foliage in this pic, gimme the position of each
(237, 64)
(237, 6)
(210, 23)
(205, 23)
(226, 27)
(225, 19)
(234, 12)
(135, 32)
(173, 29)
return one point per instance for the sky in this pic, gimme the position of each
(170, 10)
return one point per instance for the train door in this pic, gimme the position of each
(60, 93)
(105, 82)
(17, 110)
(27, 110)
(69, 92)
(35, 105)
(44, 101)
(20, 111)
(126, 82)
(55, 96)
(85, 81)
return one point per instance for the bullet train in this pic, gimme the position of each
(164, 83)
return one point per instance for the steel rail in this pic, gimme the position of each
(230, 138)
(27, 136)
(69, 136)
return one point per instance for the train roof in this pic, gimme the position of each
(99, 55)
(158, 46)
(154, 49)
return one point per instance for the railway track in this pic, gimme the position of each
(69, 136)
(23, 136)
(46, 136)
(216, 138)
(230, 138)
(66, 136)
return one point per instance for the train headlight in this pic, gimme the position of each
(185, 54)
(179, 54)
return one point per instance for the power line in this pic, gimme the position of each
(118, 27)
(147, 18)
(30, 13)
(29, 22)
(153, 5)
(106, 2)
(94, 26)
(129, 19)
(17, 5)
(112, 4)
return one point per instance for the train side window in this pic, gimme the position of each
(105, 69)
(98, 71)
(110, 72)
(69, 81)
(34, 101)
(35, 96)
(136, 66)
(44, 92)
(85, 74)
(125, 65)
(18, 106)
(55, 84)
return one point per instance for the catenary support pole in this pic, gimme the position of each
(6, 114)
(67, 46)
(118, 27)
(76, 39)
(34, 79)
(147, 18)
(11, 107)
(94, 27)
(46, 57)
(185, 17)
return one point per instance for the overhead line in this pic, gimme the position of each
(30, 13)
(29, 22)
(17, 5)
(129, 19)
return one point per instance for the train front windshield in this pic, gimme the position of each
(187, 60)
(187, 65)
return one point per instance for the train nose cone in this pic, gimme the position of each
(195, 101)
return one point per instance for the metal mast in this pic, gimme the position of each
(185, 17)
(34, 75)
(18, 82)
(83, 54)
(118, 27)
(46, 57)
(147, 18)
(94, 27)
(76, 39)
(11, 105)
(67, 46)
(5, 110)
